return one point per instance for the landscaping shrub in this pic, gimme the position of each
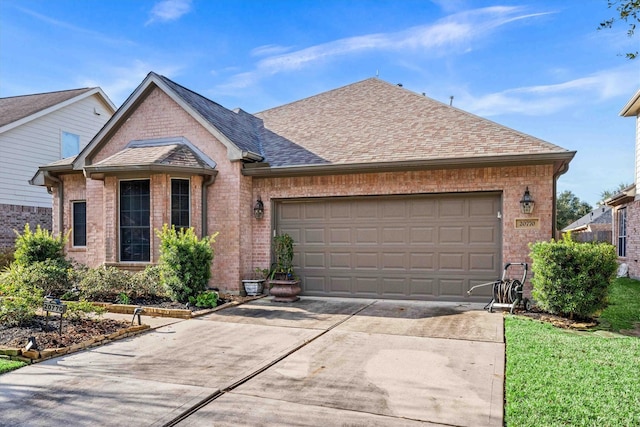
(82, 309)
(105, 284)
(207, 299)
(37, 246)
(572, 279)
(148, 283)
(6, 257)
(19, 296)
(185, 262)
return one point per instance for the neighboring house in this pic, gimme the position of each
(626, 204)
(593, 227)
(35, 130)
(387, 193)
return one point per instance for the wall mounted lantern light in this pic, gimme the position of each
(258, 209)
(527, 203)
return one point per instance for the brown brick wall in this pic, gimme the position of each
(244, 242)
(161, 117)
(14, 217)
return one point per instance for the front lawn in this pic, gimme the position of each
(10, 365)
(556, 377)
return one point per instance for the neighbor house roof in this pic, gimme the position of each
(373, 121)
(625, 196)
(17, 110)
(600, 215)
(632, 108)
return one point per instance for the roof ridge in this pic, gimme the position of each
(83, 89)
(320, 93)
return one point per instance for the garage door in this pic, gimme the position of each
(427, 247)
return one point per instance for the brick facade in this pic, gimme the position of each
(244, 243)
(510, 181)
(14, 218)
(633, 238)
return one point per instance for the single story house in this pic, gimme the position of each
(386, 192)
(626, 204)
(37, 129)
(593, 227)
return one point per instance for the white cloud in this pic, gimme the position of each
(552, 98)
(269, 49)
(76, 29)
(444, 36)
(169, 10)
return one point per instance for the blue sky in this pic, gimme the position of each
(540, 67)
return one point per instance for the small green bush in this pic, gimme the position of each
(105, 284)
(572, 279)
(185, 262)
(39, 246)
(19, 296)
(6, 257)
(148, 283)
(207, 299)
(82, 309)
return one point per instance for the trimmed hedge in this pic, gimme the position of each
(572, 279)
(185, 262)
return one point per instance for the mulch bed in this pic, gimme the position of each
(76, 331)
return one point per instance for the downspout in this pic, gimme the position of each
(60, 188)
(205, 185)
(561, 171)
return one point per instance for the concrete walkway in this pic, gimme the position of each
(319, 361)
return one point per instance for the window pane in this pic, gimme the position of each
(70, 144)
(180, 203)
(135, 219)
(79, 224)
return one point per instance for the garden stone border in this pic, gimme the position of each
(35, 356)
(168, 312)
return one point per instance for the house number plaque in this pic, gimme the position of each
(525, 223)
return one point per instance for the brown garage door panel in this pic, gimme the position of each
(414, 247)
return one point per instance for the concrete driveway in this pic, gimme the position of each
(319, 361)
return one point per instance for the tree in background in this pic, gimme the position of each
(569, 208)
(610, 193)
(629, 12)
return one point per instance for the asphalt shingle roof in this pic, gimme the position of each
(15, 108)
(240, 127)
(169, 155)
(375, 121)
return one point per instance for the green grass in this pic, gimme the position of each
(556, 377)
(624, 305)
(10, 365)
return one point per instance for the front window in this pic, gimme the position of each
(622, 232)
(79, 223)
(180, 203)
(135, 227)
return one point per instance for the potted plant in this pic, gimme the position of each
(283, 284)
(255, 284)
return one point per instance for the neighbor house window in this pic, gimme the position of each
(180, 203)
(622, 232)
(79, 229)
(70, 144)
(135, 222)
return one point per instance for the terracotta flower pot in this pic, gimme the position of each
(285, 290)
